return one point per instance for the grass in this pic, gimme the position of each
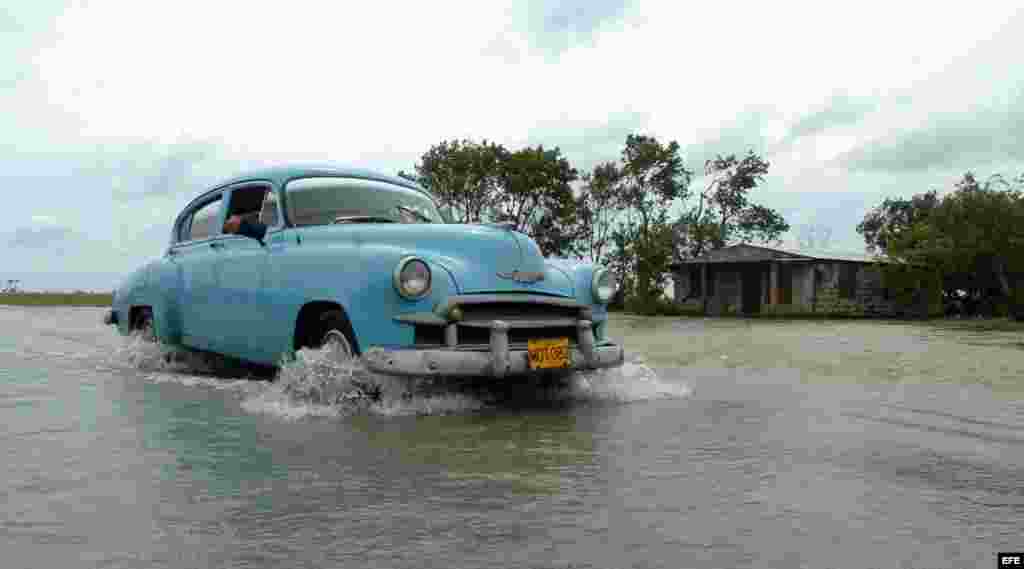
(77, 298)
(979, 324)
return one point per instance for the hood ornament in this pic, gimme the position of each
(527, 277)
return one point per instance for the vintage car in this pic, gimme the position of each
(306, 256)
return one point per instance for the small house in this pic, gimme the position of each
(747, 280)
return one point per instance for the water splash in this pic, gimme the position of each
(139, 353)
(314, 384)
(634, 381)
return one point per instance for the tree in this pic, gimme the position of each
(971, 239)
(978, 230)
(893, 218)
(652, 178)
(724, 213)
(622, 263)
(535, 195)
(597, 209)
(462, 175)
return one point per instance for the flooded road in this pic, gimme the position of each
(723, 443)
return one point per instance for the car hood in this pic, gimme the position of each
(480, 258)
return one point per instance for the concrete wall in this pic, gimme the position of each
(816, 290)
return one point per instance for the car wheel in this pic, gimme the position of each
(337, 337)
(144, 325)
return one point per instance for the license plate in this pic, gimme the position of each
(549, 353)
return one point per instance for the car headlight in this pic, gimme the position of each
(412, 278)
(603, 286)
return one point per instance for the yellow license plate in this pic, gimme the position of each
(548, 354)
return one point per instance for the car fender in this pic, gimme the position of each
(357, 277)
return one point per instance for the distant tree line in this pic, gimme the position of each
(616, 214)
(968, 243)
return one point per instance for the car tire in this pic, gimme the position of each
(337, 332)
(143, 324)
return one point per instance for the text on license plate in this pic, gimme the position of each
(548, 353)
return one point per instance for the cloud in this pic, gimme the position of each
(840, 110)
(39, 237)
(161, 170)
(749, 130)
(113, 128)
(588, 142)
(554, 26)
(966, 140)
(969, 114)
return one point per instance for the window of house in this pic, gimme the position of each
(204, 221)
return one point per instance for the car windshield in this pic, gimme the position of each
(323, 201)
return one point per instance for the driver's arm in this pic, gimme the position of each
(239, 225)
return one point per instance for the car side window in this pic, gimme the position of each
(183, 229)
(268, 211)
(247, 202)
(204, 221)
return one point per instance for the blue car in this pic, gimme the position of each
(293, 257)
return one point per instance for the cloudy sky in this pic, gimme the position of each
(116, 113)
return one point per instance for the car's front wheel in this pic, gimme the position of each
(337, 337)
(339, 342)
(143, 325)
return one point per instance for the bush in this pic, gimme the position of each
(660, 307)
(55, 299)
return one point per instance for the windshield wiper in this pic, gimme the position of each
(415, 213)
(363, 219)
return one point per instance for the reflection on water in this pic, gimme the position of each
(843, 351)
(209, 442)
(720, 444)
(527, 451)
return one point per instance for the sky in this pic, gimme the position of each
(115, 114)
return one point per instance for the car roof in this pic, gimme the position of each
(280, 174)
(284, 172)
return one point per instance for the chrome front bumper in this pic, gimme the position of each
(496, 360)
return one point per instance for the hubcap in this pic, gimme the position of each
(337, 346)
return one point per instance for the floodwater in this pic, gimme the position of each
(722, 443)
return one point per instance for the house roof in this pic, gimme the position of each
(746, 253)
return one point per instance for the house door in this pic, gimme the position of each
(751, 285)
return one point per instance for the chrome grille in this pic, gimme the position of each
(472, 329)
(516, 311)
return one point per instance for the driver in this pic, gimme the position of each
(239, 225)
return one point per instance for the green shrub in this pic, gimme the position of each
(661, 307)
(55, 298)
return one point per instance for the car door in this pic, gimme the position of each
(167, 277)
(196, 259)
(241, 270)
